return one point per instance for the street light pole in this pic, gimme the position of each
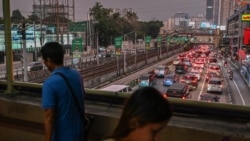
(97, 48)
(124, 55)
(34, 31)
(25, 78)
(135, 51)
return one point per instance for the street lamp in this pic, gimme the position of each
(34, 34)
(125, 51)
(95, 36)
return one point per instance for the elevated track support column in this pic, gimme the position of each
(8, 47)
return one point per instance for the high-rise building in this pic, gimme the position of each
(181, 20)
(217, 11)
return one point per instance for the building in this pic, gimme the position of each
(181, 21)
(55, 12)
(114, 10)
(123, 12)
(217, 11)
(126, 10)
(235, 33)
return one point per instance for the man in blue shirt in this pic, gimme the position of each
(62, 120)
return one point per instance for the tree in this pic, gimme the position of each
(33, 18)
(103, 23)
(16, 16)
(110, 25)
(1, 20)
(152, 28)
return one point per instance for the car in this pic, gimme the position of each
(209, 97)
(170, 79)
(211, 74)
(34, 66)
(191, 80)
(187, 62)
(197, 74)
(212, 60)
(197, 68)
(178, 90)
(214, 67)
(176, 61)
(146, 80)
(199, 63)
(181, 56)
(215, 85)
(181, 68)
(161, 71)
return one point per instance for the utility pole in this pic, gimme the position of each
(8, 47)
(97, 48)
(41, 17)
(23, 33)
(57, 22)
(34, 32)
(135, 51)
(124, 55)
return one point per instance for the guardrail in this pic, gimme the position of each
(180, 106)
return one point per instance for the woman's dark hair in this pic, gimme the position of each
(144, 106)
(54, 51)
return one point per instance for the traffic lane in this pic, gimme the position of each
(201, 89)
(238, 89)
(195, 94)
(225, 97)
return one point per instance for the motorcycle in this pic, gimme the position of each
(231, 75)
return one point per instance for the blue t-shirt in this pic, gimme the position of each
(56, 95)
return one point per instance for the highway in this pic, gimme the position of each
(235, 91)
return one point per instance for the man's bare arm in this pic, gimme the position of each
(48, 123)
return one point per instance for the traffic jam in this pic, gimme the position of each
(197, 74)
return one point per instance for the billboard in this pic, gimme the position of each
(246, 36)
(205, 25)
(245, 17)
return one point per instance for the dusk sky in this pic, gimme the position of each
(145, 9)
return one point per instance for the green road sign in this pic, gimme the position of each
(159, 39)
(118, 42)
(77, 45)
(78, 27)
(147, 42)
(147, 39)
(118, 45)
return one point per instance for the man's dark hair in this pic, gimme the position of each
(53, 51)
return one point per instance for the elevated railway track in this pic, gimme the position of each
(106, 65)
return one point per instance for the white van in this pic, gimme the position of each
(117, 88)
(161, 71)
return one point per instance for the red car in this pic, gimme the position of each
(191, 80)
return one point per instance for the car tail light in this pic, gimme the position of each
(165, 95)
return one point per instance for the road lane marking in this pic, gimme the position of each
(202, 87)
(239, 93)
